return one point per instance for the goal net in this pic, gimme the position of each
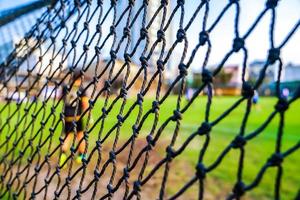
(96, 102)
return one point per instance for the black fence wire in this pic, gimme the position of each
(63, 42)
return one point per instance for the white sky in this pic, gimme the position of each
(288, 14)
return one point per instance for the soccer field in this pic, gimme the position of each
(219, 181)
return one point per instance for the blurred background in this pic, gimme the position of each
(19, 16)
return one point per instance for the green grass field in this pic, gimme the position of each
(220, 180)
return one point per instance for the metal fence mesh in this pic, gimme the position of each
(32, 118)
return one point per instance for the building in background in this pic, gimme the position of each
(227, 82)
(254, 69)
(152, 32)
(291, 73)
(5, 49)
(19, 76)
(290, 80)
(290, 77)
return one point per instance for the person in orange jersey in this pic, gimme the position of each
(74, 106)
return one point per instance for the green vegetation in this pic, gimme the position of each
(222, 179)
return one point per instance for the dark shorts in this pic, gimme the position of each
(69, 126)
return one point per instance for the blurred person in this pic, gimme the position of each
(189, 90)
(72, 112)
(255, 100)
(285, 93)
(188, 93)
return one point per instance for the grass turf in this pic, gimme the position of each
(223, 177)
